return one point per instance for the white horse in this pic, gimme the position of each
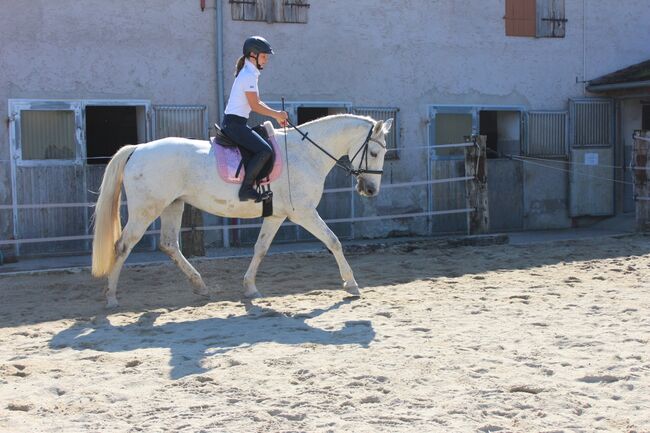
(162, 175)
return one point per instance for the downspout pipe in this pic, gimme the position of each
(218, 7)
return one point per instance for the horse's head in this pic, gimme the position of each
(370, 161)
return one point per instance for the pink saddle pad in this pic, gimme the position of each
(229, 157)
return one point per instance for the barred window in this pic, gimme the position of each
(384, 113)
(270, 11)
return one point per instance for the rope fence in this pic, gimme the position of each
(525, 159)
(326, 191)
(593, 176)
(107, 158)
(240, 226)
(247, 226)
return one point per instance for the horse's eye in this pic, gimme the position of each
(374, 154)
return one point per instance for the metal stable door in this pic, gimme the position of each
(591, 181)
(48, 177)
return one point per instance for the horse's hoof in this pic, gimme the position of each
(201, 291)
(111, 303)
(352, 289)
(253, 295)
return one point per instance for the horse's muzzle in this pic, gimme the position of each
(366, 188)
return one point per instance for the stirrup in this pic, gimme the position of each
(264, 193)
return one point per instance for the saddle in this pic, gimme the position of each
(231, 158)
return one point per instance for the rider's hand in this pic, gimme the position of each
(282, 118)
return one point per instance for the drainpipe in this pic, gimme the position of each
(219, 42)
(218, 7)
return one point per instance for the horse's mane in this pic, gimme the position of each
(339, 116)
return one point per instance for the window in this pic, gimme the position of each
(279, 11)
(107, 129)
(382, 113)
(535, 18)
(48, 134)
(501, 129)
(455, 124)
(547, 133)
(64, 132)
(307, 114)
(452, 128)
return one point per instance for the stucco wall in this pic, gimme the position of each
(412, 54)
(403, 53)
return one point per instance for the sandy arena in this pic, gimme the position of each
(550, 337)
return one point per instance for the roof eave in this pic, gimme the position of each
(599, 88)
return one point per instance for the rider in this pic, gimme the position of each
(244, 97)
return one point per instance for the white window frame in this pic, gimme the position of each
(78, 106)
(17, 106)
(474, 111)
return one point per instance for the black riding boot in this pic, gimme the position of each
(253, 168)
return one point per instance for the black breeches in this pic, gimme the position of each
(236, 129)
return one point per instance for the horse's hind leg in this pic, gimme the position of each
(170, 223)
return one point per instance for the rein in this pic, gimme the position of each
(349, 168)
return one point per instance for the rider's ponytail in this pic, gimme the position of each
(239, 65)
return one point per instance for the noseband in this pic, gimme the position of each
(349, 167)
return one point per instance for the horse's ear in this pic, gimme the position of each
(378, 127)
(387, 125)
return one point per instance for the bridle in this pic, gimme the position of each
(350, 166)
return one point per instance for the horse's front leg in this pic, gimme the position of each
(269, 228)
(313, 223)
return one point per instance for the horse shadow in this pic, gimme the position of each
(190, 342)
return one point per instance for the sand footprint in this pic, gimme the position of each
(20, 406)
(133, 363)
(19, 370)
(606, 378)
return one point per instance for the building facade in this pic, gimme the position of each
(81, 79)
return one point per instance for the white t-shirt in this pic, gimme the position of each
(246, 81)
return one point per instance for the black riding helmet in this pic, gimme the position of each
(256, 45)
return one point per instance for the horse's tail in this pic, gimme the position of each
(108, 227)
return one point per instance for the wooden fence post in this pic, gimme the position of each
(478, 221)
(192, 241)
(641, 170)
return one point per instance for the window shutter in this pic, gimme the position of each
(547, 134)
(251, 10)
(281, 11)
(521, 18)
(551, 22)
(384, 113)
(293, 11)
(189, 121)
(592, 121)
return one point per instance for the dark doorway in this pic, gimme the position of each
(107, 129)
(490, 128)
(503, 130)
(645, 116)
(307, 114)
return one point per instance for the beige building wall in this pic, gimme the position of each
(409, 54)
